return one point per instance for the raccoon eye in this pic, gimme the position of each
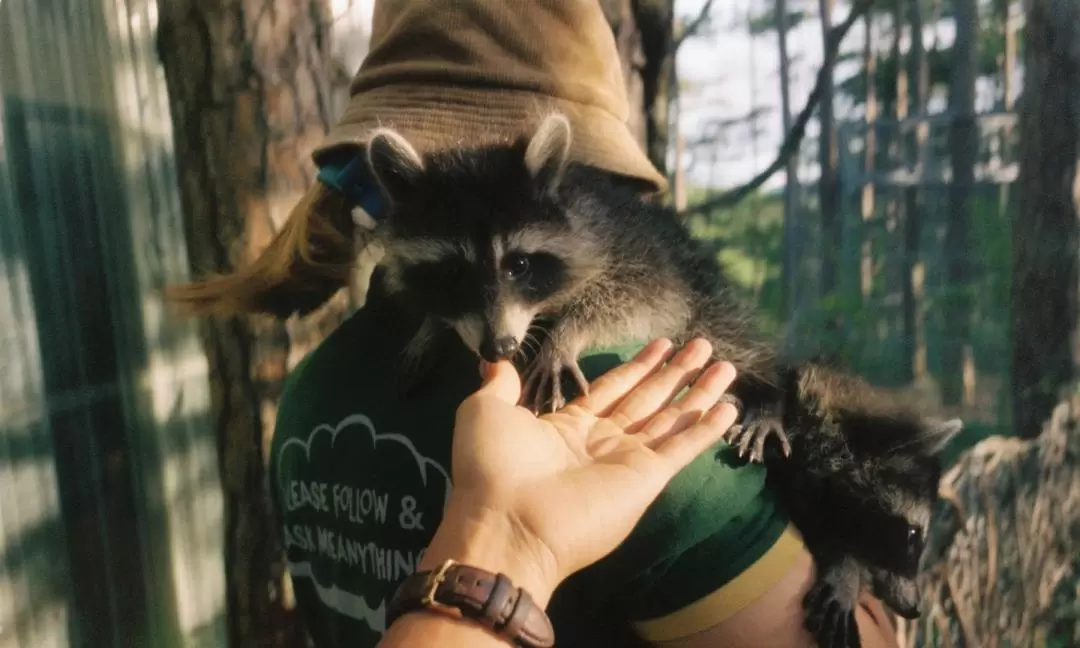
(914, 540)
(517, 265)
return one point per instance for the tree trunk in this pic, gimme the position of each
(678, 174)
(644, 36)
(1008, 55)
(1046, 234)
(655, 20)
(914, 327)
(866, 204)
(1008, 73)
(791, 182)
(956, 379)
(828, 191)
(249, 95)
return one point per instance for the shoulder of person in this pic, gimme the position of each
(716, 522)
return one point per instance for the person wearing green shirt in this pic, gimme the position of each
(360, 475)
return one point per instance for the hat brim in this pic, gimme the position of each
(440, 117)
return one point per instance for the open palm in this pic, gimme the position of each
(585, 474)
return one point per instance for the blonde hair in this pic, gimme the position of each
(306, 263)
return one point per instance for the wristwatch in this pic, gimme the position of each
(469, 592)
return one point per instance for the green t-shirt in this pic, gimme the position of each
(360, 477)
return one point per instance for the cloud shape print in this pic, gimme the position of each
(422, 462)
(430, 472)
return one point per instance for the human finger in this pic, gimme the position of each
(500, 380)
(680, 449)
(656, 391)
(687, 410)
(605, 391)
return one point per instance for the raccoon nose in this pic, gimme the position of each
(505, 347)
(495, 349)
(910, 612)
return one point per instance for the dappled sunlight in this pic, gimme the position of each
(33, 607)
(174, 376)
(91, 72)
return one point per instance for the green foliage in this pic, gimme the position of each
(748, 239)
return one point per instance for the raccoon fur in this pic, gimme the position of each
(523, 256)
(858, 475)
(526, 256)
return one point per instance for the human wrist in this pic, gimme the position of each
(490, 539)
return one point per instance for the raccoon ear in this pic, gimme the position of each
(937, 433)
(394, 162)
(548, 151)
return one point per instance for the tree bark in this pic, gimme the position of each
(912, 277)
(656, 20)
(1046, 232)
(828, 189)
(1008, 56)
(249, 90)
(866, 203)
(645, 39)
(956, 382)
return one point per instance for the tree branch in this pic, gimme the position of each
(795, 136)
(694, 25)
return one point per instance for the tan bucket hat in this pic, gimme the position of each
(454, 73)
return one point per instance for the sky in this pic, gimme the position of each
(726, 73)
(733, 73)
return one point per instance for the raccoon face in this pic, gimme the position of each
(489, 292)
(480, 240)
(905, 492)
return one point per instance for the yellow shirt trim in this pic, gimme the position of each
(720, 605)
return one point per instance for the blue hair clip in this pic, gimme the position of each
(354, 179)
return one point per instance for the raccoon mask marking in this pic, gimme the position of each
(477, 240)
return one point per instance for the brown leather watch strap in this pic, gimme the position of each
(477, 594)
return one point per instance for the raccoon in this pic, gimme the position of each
(858, 475)
(521, 255)
(530, 258)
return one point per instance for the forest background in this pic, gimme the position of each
(891, 182)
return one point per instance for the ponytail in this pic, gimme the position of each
(309, 260)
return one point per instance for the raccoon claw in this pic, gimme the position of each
(734, 401)
(542, 386)
(751, 437)
(544, 378)
(830, 620)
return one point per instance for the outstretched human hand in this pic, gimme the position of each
(568, 487)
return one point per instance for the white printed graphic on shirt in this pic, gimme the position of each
(319, 505)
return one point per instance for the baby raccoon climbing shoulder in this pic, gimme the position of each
(527, 256)
(858, 474)
(504, 242)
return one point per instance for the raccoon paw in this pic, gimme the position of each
(543, 381)
(829, 618)
(751, 437)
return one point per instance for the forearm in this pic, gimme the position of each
(484, 541)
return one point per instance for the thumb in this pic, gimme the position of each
(501, 380)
